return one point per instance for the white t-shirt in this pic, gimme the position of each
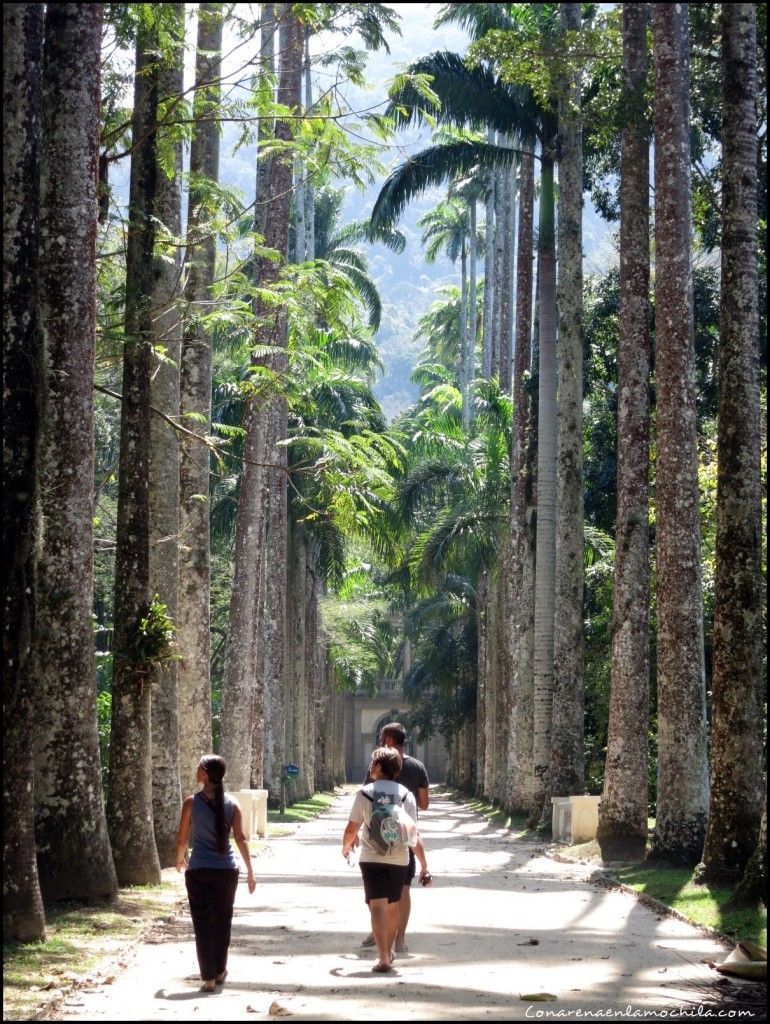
(361, 811)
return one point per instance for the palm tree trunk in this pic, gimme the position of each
(23, 383)
(129, 807)
(498, 284)
(309, 189)
(274, 632)
(164, 471)
(74, 856)
(683, 787)
(486, 359)
(567, 769)
(736, 731)
(243, 687)
(521, 575)
(622, 832)
(312, 665)
(546, 479)
(194, 669)
(491, 682)
(508, 218)
(296, 710)
(501, 669)
(752, 888)
(470, 352)
(481, 682)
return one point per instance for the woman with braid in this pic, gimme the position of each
(212, 873)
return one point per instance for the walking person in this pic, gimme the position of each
(414, 776)
(383, 867)
(211, 877)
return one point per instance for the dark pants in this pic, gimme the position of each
(211, 892)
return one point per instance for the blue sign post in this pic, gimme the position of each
(290, 772)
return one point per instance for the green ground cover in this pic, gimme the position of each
(704, 905)
(494, 814)
(83, 941)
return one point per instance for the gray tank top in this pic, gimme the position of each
(203, 835)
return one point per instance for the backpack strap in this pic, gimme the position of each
(369, 798)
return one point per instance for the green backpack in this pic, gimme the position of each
(390, 826)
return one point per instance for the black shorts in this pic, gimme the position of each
(411, 868)
(383, 881)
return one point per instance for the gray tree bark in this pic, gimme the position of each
(164, 468)
(74, 856)
(567, 769)
(683, 789)
(241, 701)
(546, 481)
(129, 805)
(309, 187)
(497, 270)
(274, 628)
(521, 571)
(736, 718)
(622, 832)
(491, 679)
(482, 619)
(193, 673)
(23, 381)
(505, 301)
(489, 229)
(296, 709)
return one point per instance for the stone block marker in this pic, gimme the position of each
(254, 810)
(575, 819)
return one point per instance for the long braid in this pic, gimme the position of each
(215, 769)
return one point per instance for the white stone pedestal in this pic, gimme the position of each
(585, 817)
(561, 819)
(254, 810)
(575, 818)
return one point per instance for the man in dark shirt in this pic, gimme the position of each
(414, 776)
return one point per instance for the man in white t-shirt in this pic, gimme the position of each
(383, 872)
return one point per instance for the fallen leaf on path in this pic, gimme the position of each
(538, 997)
(276, 1010)
(250, 1009)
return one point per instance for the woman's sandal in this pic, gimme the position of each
(208, 986)
(220, 979)
(382, 968)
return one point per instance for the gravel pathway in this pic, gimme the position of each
(501, 921)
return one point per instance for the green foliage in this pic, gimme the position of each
(152, 647)
(103, 720)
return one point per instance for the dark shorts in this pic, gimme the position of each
(383, 881)
(411, 869)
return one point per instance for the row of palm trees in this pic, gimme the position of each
(528, 603)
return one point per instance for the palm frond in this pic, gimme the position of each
(432, 167)
(472, 97)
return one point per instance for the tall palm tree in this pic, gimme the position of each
(736, 738)
(476, 97)
(622, 831)
(683, 783)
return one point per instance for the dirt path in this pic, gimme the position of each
(502, 920)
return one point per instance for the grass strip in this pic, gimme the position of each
(302, 810)
(497, 816)
(705, 905)
(82, 943)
